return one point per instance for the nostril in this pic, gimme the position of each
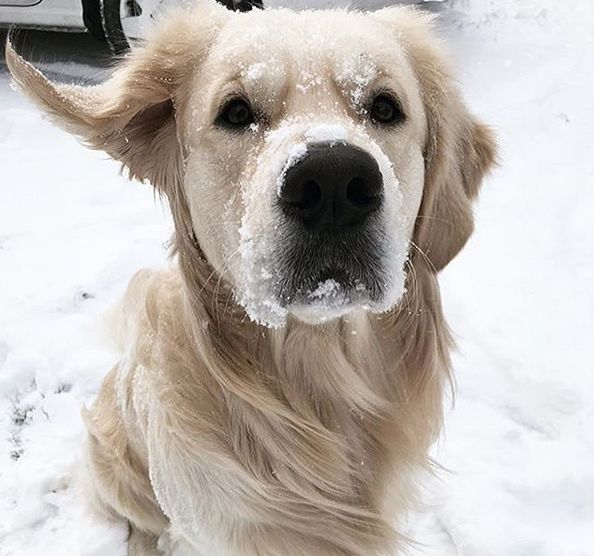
(360, 194)
(302, 198)
(311, 195)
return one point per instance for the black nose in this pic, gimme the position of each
(334, 186)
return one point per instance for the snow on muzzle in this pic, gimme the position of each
(320, 234)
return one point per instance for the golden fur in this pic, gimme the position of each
(220, 436)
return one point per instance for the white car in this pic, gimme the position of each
(112, 21)
(118, 21)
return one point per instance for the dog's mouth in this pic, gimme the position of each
(330, 297)
(333, 286)
(322, 278)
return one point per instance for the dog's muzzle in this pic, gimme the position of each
(332, 245)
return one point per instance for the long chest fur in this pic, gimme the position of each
(306, 428)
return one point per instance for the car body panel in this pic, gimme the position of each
(54, 14)
(19, 3)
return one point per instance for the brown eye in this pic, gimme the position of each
(237, 113)
(386, 110)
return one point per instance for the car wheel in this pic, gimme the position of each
(111, 20)
(103, 20)
(92, 18)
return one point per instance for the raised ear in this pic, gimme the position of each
(459, 150)
(132, 115)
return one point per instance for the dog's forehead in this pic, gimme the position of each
(276, 45)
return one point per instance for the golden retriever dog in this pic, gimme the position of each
(281, 384)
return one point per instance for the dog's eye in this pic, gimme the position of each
(386, 110)
(236, 113)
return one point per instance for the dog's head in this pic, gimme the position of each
(308, 151)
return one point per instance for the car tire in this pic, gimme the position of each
(92, 18)
(103, 20)
(111, 21)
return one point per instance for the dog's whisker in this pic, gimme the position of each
(216, 294)
(425, 257)
(225, 268)
(430, 217)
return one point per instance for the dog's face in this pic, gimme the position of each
(304, 147)
(305, 164)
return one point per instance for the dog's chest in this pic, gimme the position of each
(304, 428)
(337, 400)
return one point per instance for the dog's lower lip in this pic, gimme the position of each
(339, 275)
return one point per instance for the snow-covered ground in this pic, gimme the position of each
(519, 445)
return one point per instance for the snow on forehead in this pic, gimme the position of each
(255, 71)
(355, 74)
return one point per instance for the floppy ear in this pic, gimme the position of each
(131, 116)
(459, 150)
